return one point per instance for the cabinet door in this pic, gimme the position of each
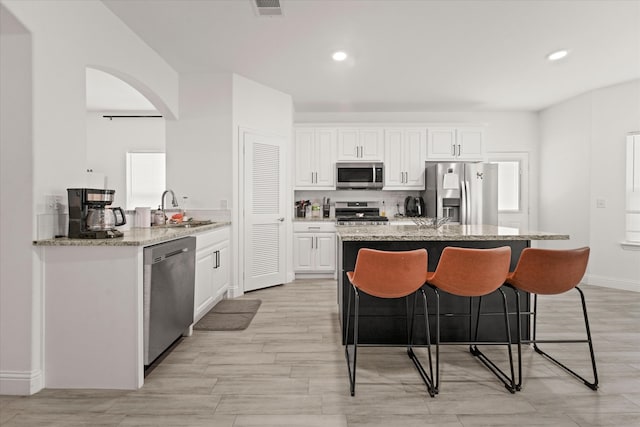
(394, 173)
(305, 156)
(302, 251)
(325, 256)
(204, 282)
(441, 143)
(222, 272)
(469, 142)
(414, 158)
(348, 144)
(371, 144)
(324, 156)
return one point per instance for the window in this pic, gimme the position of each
(508, 186)
(145, 179)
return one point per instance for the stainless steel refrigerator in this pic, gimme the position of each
(467, 193)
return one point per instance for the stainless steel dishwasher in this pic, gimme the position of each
(169, 280)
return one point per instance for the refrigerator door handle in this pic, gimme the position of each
(464, 203)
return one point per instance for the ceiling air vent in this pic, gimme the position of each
(268, 7)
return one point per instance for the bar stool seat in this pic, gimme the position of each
(388, 274)
(551, 272)
(473, 273)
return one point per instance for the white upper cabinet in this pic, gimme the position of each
(315, 158)
(404, 158)
(463, 143)
(360, 144)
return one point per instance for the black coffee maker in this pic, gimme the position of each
(414, 206)
(89, 216)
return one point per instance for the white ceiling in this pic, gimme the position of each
(420, 55)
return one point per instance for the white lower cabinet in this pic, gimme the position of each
(213, 268)
(314, 247)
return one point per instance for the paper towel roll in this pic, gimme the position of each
(143, 217)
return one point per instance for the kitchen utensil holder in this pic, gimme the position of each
(301, 211)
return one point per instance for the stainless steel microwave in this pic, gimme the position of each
(355, 176)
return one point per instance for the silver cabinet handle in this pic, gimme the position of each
(459, 149)
(313, 228)
(453, 149)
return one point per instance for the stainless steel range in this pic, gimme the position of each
(359, 213)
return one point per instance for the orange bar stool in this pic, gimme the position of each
(385, 274)
(551, 272)
(473, 273)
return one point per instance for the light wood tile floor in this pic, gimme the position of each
(288, 369)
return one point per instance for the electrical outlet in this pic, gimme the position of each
(601, 203)
(52, 203)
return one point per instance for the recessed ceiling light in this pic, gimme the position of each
(559, 54)
(339, 56)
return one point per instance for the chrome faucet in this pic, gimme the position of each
(174, 202)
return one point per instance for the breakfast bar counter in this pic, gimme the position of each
(385, 321)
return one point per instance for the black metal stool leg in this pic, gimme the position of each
(519, 339)
(592, 385)
(436, 387)
(427, 378)
(352, 370)
(508, 381)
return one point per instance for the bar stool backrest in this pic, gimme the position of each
(550, 271)
(471, 272)
(389, 274)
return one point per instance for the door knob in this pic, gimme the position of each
(281, 219)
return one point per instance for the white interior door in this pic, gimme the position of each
(513, 189)
(264, 207)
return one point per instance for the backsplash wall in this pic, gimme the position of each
(393, 200)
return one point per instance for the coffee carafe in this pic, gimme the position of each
(99, 219)
(89, 216)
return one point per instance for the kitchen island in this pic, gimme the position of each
(94, 305)
(385, 321)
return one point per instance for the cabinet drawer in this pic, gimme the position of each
(212, 237)
(314, 227)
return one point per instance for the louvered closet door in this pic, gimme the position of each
(264, 238)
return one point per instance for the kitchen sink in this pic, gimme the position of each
(188, 224)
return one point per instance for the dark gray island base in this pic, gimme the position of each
(385, 321)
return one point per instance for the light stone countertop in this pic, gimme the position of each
(135, 236)
(310, 219)
(444, 233)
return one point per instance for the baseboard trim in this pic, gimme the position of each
(607, 282)
(21, 383)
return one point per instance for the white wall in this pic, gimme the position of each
(108, 142)
(67, 36)
(582, 159)
(20, 367)
(199, 145)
